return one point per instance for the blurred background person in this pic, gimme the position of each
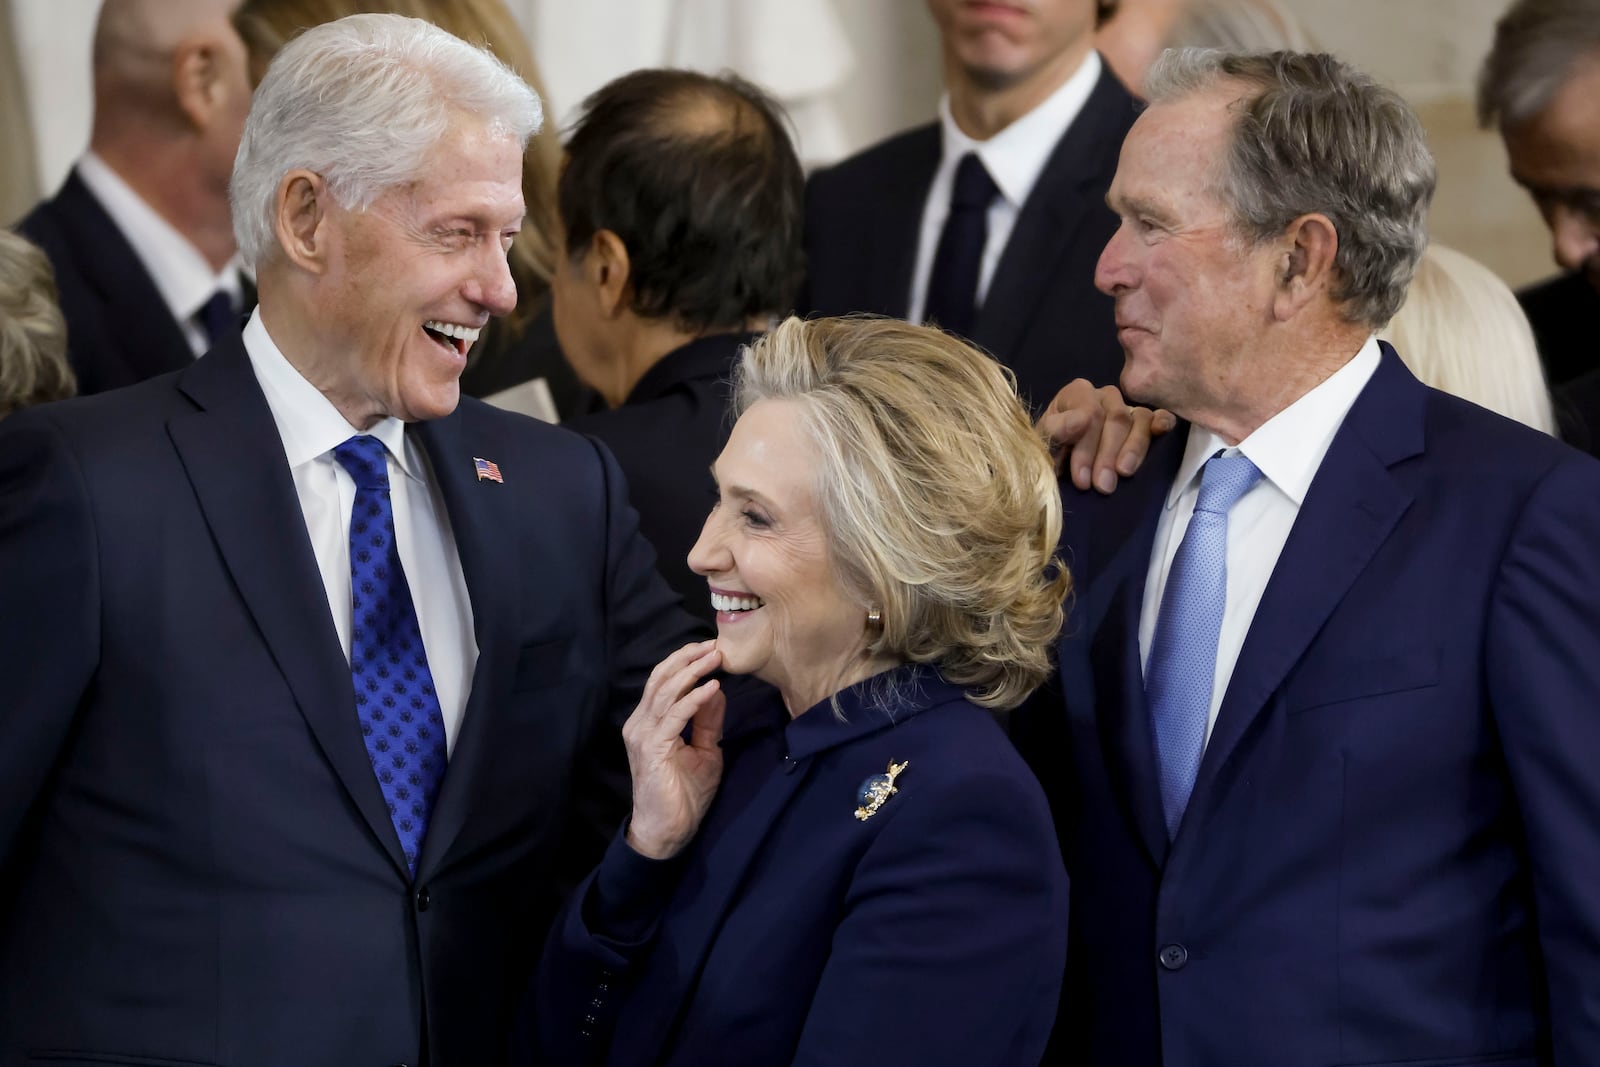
(33, 335)
(1539, 87)
(863, 871)
(518, 351)
(139, 234)
(988, 221)
(1140, 30)
(19, 187)
(680, 203)
(1462, 330)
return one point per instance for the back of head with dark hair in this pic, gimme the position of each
(698, 178)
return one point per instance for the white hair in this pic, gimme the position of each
(1461, 330)
(362, 101)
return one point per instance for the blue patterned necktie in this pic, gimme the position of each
(958, 260)
(395, 701)
(1183, 652)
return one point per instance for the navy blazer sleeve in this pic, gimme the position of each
(49, 615)
(1543, 665)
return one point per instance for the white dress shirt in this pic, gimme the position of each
(181, 274)
(311, 427)
(1287, 449)
(1014, 158)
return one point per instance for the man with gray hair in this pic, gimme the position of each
(1540, 85)
(1319, 750)
(314, 670)
(139, 234)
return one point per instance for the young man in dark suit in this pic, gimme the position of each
(1318, 750)
(988, 221)
(139, 235)
(314, 669)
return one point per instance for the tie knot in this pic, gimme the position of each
(974, 188)
(363, 456)
(1223, 481)
(218, 317)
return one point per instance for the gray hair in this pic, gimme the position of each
(1536, 45)
(1316, 135)
(361, 102)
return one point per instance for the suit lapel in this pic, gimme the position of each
(891, 247)
(1072, 184)
(234, 457)
(1352, 506)
(150, 340)
(494, 624)
(1111, 549)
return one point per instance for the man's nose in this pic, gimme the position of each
(1112, 273)
(494, 288)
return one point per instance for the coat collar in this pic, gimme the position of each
(710, 357)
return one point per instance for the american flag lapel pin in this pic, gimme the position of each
(487, 469)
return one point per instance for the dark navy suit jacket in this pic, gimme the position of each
(932, 932)
(1391, 852)
(119, 329)
(1042, 317)
(197, 863)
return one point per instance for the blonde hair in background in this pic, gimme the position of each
(33, 335)
(939, 499)
(1461, 330)
(267, 25)
(19, 183)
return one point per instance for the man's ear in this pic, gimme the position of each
(199, 66)
(301, 209)
(1305, 264)
(610, 272)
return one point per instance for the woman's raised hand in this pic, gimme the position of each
(674, 781)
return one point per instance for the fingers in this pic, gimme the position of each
(707, 731)
(669, 681)
(1074, 415)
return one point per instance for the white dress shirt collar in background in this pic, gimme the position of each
(180, 273)
(311, 427)
(1015, 158)
(1288, 449)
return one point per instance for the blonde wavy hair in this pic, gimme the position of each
(938, 497)
(33, 334)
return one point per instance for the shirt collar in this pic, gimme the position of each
(307, 421)
(180, 273)
(1289, 447)
(1016, 156)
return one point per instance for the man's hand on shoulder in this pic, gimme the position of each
(1097, 435)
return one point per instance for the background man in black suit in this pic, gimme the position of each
(680, 201)
(314, 670)
(139, 234)
(1540, 85)
(990, 220)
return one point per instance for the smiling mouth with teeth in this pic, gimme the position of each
(451, 335)
(733, 605)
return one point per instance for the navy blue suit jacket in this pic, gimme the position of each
(119, 329)
(932, 932)
(1042, 317)
(196, 859)
(1392, 847)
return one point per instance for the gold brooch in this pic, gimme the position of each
(877, 789)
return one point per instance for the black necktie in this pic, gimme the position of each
(218, 318)
(953, 285)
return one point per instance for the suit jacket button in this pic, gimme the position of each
(1173, 957)
(423, 899)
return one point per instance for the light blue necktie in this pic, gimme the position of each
(1183, 653)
